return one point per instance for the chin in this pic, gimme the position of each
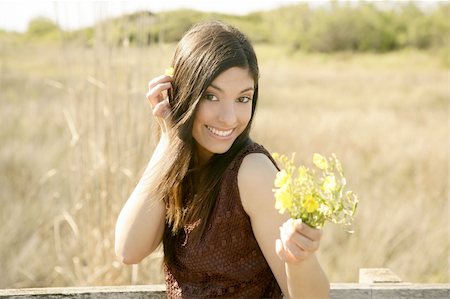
(217, 148)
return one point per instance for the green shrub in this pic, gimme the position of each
(349, 26)
(42, 28)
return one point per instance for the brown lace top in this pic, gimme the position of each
(228, 263)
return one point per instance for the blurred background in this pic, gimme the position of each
(368, 81)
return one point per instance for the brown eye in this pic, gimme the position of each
(244, 99)
(210, 97)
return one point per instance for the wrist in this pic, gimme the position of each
(302, 262)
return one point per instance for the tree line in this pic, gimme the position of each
(360, 26)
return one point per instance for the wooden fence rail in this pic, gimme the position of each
(373, 284)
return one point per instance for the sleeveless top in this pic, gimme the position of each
(228, 262)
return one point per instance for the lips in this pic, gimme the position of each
(220, 133)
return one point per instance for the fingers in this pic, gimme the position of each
(309, 232)
(297, 241)
(157, 96)
(162, 109)
(290, 236)
(156, 86)
(159, 79)
(155, 93)
(289, 254)
(281, 252)
(280, 249)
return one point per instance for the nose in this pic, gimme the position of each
(227, 114)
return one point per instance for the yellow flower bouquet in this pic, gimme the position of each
(169, 71)
(314, 197)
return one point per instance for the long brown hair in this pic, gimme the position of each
(204, 52)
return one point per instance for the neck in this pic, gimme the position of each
(203, 155)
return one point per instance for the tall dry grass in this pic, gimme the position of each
(75, 137)
(387, 118)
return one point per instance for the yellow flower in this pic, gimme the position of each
(281, 179)
(329, 184)
(324, 209)
(283, 200)
(314, 197)
(311, 204)
(302, 175)
(169, 71)
(320, 161)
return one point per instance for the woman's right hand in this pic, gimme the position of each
(158, 96)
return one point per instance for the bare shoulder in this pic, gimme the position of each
(255, 168)
(255, 181)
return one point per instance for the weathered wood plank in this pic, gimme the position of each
(113, 292)
(338, 291)
(412, 291)
(350, 291)
(378, 275)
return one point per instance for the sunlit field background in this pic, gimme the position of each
(75, 136)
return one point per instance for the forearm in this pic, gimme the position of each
(140, 224)
(307, 279)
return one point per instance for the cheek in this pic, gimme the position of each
(196, 126)
(200, 118)
(204, 111)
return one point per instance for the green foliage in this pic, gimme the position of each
(288, 25)
(174, 24)
(359, 27)
(43, 28)
(349, 26)
(252, 25)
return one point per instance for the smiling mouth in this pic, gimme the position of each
(219, 132)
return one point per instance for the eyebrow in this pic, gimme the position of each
(221, 90)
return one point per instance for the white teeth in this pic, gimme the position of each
(220, 133)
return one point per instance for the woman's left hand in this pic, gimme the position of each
(298, 241)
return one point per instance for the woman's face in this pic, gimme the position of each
(224, 112)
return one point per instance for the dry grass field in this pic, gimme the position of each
(75, 137)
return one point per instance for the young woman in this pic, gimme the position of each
(207, 190)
